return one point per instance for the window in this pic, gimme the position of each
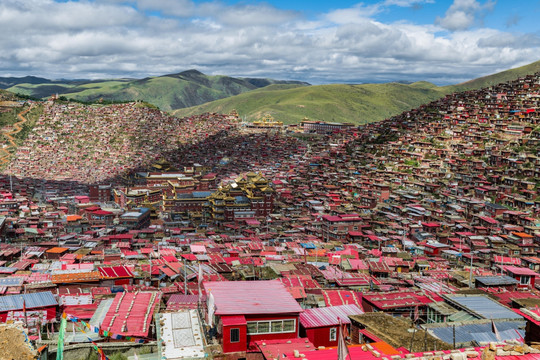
(271, 327)
(333, 334)
(525, 280)
(263, 327)
(235, 335)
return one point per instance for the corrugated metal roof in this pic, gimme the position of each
(12, 281)
(131, 313)
(328, 316)
(487, 337)
(484, 306)
(470, 332)
(33, 300)
(100, 312)
(496, 280)
(251, 297)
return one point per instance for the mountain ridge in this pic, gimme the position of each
(168, 92)
(372, 102)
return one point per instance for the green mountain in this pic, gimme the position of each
(7, 82)
(337, 103)
(494, 79)
(168, 92)
(344, 103)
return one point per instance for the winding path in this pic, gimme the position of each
(4, 152)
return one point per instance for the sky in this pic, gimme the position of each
(340, 41)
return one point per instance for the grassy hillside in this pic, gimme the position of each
(345, 103)
(193, 92)
(341, 103)
(168, 92)
(494, 79)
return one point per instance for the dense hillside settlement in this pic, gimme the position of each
(127, 233)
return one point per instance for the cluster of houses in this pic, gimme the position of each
(108, 140)
(418, 236)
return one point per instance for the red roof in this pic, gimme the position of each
(328, 316)
(489, 220)
(181, 301)
(520, 271)
(342, 297)
(81, 311)
(532, 315)
(233, 320)
(131, 313)
(102, 212)
(251, 297)
(393, 300)
(114, 272)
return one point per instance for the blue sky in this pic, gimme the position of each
(443, 42)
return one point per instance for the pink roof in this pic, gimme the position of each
(198, 248)
(520, 271)
(131, 313)
(328, 316)
(506, 260)
(251, 297)
(253, 222)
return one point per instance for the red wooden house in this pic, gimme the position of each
(249, 311)
(525, 276)
(320, 325)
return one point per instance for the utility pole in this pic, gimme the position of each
(10, 181)
(185, 278)
(470, 271)
(412, 338)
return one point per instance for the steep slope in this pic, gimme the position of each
(91, 143)
(341, 103)
(168, 92)
(490, 80)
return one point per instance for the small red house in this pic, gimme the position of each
(249, 311)
(39, 304)
(320, 325)
(525, 276)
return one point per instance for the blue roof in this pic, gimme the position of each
(33, 300)
(496, 280)
(241, 200)
(478, 332)
(483, 307)
(12, 281)
(201, 194)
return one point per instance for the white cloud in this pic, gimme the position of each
(355, 14)
(181, 8)
(463, 14)
(115, 38)
(407, 3)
